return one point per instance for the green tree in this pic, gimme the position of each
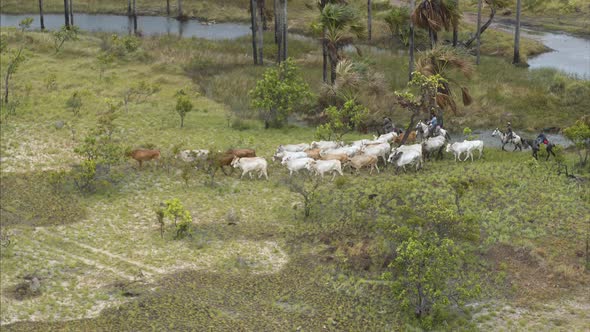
(16, 57)
(430, 275)
(279, 93)
(341, 120)
(74, 103)
(104, 60)
(579, 133)
(181, 216)
(63, 35)
(398, 22)
(183, 106)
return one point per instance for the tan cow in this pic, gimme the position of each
(142, 155)
(364, 160)
(411, 138)
(313, 153)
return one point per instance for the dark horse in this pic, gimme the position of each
(535, 145)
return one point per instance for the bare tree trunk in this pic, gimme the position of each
(134, 13)
(260, 33)
(128, 7)
(253, 11)
(284, 30)
(369, 18)
(478, 30)
(180, 14)
(516, 59)
(41, 15)
(67, 15)
(71, 11)
(168, 7)
(485, 26)
(411, 64)
(455, 29)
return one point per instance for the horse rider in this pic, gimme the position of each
(387, 125)
(542, 139)
(433, 125)
(509, 133)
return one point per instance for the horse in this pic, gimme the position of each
(423, 130)
(515, 139)
(535, 146)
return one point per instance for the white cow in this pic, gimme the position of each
(348, 150)
(324, 166)
(389, 137)
(192, 155)
(250, 164)
(295, 165)
(364, 142)
(293, 147)
(466, 146)
(289, 155)
(401, 158)
(433, 144)
(325, 145)
(377, 150)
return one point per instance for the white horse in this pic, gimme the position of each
(515, 139)
(423, 131)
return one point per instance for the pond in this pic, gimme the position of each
(147, 25)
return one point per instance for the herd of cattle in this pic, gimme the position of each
(331, 157)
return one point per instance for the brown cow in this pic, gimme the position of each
(242, 153)
(343, 157)
(411, 138)
(314, 153)
(144, 155)
(225, 159)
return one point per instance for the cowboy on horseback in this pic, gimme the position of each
(509, 133)
(433, 125)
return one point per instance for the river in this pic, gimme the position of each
(570, 54)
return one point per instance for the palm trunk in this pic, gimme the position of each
(71, 11)
(455, 29)
(433, 37)
(259, 33)
(478, 30)
(279, 30)
(369, 18)
(41, 15)
(180, 14)
(128, 7)
(411, 64)
(276, 18)
(168, 7)
(516, 59)
(67, 15)
(333, 64)
(254, 30)
(262, 14)
(324, 57)
(134, 13)
(284, 29)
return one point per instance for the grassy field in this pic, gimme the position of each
(252, 263)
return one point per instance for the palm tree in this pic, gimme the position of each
(433, 16)
(180, 14)
(168, 7)
(284, 29)
(516, 59)
(128, 7)
(41, 15)
(440, 61)
(340, 23)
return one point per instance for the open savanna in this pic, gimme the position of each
(252, 263)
